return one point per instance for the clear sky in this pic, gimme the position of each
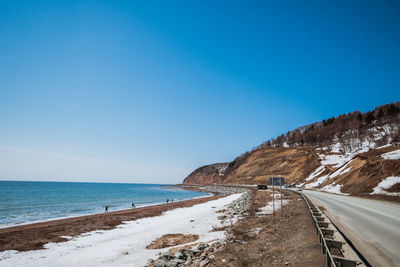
(146, 91)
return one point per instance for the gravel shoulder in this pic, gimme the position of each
(280, 240)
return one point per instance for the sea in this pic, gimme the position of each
(28, 202)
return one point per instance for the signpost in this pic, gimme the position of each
(274, 181)
(280, 183)
(273, 198)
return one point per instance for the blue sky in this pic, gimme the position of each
(146, 91)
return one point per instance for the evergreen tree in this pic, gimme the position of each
(370, 117)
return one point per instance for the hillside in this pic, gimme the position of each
(355, 154)
(208, 174)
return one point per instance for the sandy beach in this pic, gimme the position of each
(35, 236)
(113, 239)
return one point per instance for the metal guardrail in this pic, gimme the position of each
(326, 237)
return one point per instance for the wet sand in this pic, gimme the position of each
(34, 236)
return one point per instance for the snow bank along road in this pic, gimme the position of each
(373, 226)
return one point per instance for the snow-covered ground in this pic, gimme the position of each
(269, 208)
(126, 244)
(333, 189)
(316, 173)
(392, 155)
(336, 160)
(340, 153)
(318, 182)
(387, 183)
(341, 170)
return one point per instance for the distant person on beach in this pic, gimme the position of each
(167, 200)
(172, 200)
(106, 208)
(133, 205)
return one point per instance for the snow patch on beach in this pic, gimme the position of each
(386, 183)
(126, 244)
(392, 155)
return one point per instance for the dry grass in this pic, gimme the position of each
(221, 228)
(287, 239)
(170, 240)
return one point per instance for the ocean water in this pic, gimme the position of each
(27, 202)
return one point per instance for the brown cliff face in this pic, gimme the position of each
(356, 175)
(291, 163)
(208, 174)
(257, 166)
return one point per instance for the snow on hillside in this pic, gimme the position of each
(351, 143)
(318, 182)
(386, 184)
(392, 155)
(333, 189)
(222, 169)
(342, 150)
(336, 160)
(316, 173)
(341, 170)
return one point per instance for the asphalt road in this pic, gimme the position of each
(373, 226)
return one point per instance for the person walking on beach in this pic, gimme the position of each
(106, 208)
(133, 205)
(167, 200)
(172, 200)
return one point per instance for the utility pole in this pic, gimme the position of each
(273, 196)
(280, 183)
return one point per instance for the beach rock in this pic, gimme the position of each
(209, 249)
(150, 262)
(204, 263)
(187, 253)
(175, 263)
(159, 263)
(165, 256)
(202, 246)
(220, 190)
(222, 217)
(179, 255)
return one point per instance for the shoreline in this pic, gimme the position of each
(33, 236)
(5, 226)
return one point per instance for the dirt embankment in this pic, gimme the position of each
(292, 163)
(170, 240)
(361, 175)
(34, 236)
(280, 240)
(208, 174)
(366, 171)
